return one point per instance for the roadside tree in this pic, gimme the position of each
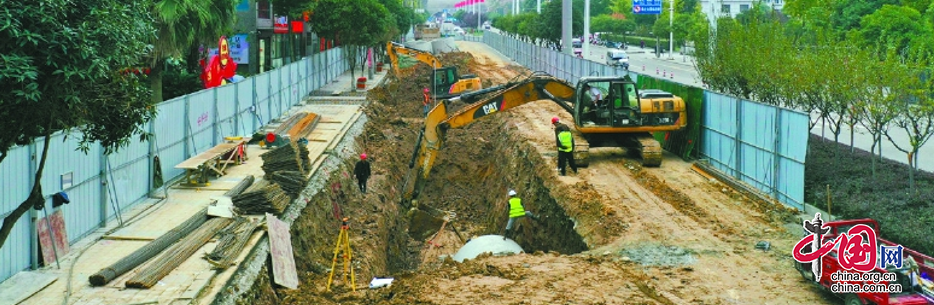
(59, 72)
(354, 23)
(915, 111)
(182, 24)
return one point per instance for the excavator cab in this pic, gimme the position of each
(610, 102)
(447, 83)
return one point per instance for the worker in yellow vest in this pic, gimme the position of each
(565, 143)
(516, 210)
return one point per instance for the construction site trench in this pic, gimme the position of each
(615, 233)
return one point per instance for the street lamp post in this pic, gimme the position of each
(671, 30)
(585, 42)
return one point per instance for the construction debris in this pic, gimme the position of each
(177, 254)
(232, 241)
(148, 251)
(263, 197)
(291, 182)
(240, 187)
(283, 158)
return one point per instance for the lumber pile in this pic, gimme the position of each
(240, 187)
(261, 198)
(299, 125)
(148, 251)
(231, 242)
(291, 182)
(283, 158)
(303, 153)
(173, 257)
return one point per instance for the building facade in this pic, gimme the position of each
(715, 9)
(264, 41)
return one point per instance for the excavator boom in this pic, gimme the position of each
(615, 116)
(438, 121)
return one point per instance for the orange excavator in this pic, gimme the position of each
(445, 83)
(607, 112)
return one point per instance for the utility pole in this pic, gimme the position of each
(671, 32)
(538, 6)
(585, 42)
(566, 27)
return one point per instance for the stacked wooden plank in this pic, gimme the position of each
(303, 153)
(283, 158)
(299, 125)
(263, 197)
(231, 242)
(291, 182)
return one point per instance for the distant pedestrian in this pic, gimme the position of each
(362, 172)
(516, 210)
(642, 44)
(427, 102)
(565, 142)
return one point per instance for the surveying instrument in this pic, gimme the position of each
(343, 242)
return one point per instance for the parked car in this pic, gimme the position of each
(616, 57)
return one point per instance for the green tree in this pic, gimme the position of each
(606, 23)
(59, 72)
(915, 109)
(181, 24)
(892, 27)
(355, 23)
(549, 23)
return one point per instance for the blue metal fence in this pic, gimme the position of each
(185, 126)
(761, 145)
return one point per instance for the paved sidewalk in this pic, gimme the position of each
(194, 282)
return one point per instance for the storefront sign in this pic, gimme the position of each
(280, 25)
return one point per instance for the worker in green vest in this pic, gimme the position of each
(516, 210)
(565, 143)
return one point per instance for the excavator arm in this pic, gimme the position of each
(494, 100)
(394, 49)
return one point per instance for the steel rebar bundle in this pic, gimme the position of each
(271, 198)
(240, 187)
(232, 241)
(285, 157)
(291, 182)
(306, 159)
(177, 254)
(151, 249)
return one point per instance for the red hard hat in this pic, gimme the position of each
(270, 137)
(426, 90)
(362, 156)
(554, 120)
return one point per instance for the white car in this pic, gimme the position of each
(616, 57)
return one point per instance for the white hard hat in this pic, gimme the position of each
(512, 192)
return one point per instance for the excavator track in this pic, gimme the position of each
(649, 149)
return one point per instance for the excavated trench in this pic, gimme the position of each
(471, 177)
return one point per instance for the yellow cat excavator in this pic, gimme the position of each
(445, 83)
(607, 112)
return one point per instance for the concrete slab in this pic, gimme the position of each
(22, 285)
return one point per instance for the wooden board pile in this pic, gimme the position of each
(231, 242)
(261, 198)
(299, 125)
(283, 158)
(292, 182)
(306, 159)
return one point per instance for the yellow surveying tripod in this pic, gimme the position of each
(343, 241)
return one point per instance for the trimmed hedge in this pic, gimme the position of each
(903, 218)
(635, 40)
